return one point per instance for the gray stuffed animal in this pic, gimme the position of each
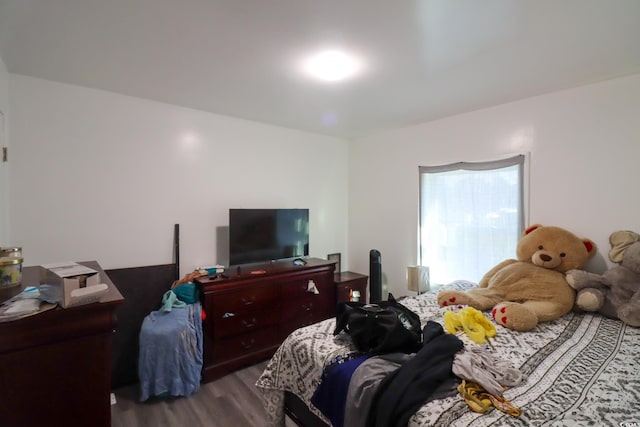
(616, 293)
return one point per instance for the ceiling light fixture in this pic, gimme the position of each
(332, 66)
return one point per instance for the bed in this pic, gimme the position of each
(581, 369)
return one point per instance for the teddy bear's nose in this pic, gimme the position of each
(545, 258)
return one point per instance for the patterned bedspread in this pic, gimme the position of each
(582, 369)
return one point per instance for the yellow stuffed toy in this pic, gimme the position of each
(472, 322)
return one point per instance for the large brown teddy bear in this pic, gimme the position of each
(533, 288)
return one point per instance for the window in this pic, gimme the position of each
(471, 217)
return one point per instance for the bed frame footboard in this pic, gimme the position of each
(295, 409)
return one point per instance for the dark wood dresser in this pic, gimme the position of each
(55, 366)
(250, 312)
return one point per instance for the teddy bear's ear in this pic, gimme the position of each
(590, 246)
(531, 228)
(620, 240)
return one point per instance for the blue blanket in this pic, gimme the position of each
(170, 359)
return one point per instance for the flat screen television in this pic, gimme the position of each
(260, 235)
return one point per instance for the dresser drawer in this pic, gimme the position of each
(299, 288)
(302, 307)
(234, 323)
(245, 344)
(296, 289)
(255, 297)
(309, 306)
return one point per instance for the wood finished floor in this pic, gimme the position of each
(231, 401)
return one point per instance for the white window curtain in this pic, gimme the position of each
(471, 217)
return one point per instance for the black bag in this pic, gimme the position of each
(385, 327)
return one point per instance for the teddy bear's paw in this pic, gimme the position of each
(628, 315)
(572, 278)
(447, 298)
(589, 299)
(514, 316)
(579, 279)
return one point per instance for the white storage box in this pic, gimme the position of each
(74, 283)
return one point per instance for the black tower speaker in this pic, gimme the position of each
(375, 276)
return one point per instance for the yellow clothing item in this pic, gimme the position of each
(472, 322)
(479, 400)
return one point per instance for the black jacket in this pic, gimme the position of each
(405, 390)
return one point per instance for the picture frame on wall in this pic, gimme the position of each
(337, 258)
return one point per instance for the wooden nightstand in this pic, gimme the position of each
(347, 283)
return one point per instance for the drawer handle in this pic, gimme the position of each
(248, 324)
(248, 344)
(307, 307)
(228, 314)
(248, 301)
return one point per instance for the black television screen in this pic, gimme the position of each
(259, 235)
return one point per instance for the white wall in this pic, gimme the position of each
(96, 175)
(5, 238)
(585, 150)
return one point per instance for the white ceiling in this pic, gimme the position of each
(425, 59)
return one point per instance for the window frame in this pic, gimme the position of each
(523, 174)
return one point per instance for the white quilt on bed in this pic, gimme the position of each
(582, 369)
